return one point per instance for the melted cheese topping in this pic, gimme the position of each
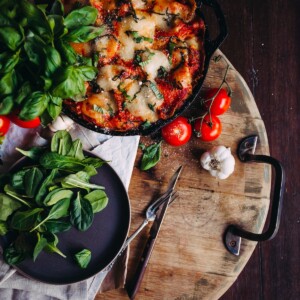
(150, 56)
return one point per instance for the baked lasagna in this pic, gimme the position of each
(149, 58)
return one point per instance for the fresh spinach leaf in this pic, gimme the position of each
(40, 245)
(76, 150)
(43, 190)
(8, 205)
(24, 220)
(81, 17)
(57, 211)
(83, 258)
(81, 213)
(98, 200)
(34, 153)
(12, 256)
(57, 195)
(96, 162)
(74, 181)
(3, 228)
(61, 142)
(32, 179)
(57, 226)
(151, 156)
(17, 181)
(11, 192)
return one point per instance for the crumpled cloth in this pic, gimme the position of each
(121, 153)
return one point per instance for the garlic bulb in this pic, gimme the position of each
(218, 161)
(62, 122)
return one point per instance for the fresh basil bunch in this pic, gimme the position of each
(38, 66)
(49, 197)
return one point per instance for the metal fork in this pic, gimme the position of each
(151, 213)
(150, 216)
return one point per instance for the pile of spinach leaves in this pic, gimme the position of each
(50, 195)
(38, 66)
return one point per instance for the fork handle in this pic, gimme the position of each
(128, 241)
(133, 286)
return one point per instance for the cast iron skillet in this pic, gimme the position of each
(104, 238)
(210, 46)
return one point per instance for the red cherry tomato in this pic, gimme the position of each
(178, 132)
(25, 124)
(4, 125)
(218, 103)
(209, 128)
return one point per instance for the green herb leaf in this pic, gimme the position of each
(156, 91)
(57, 195)
(40, 245)
(83, 258)
(6, 105)
(24, 220)
(84, 34)
(12, 256)
(151, 156)
(34, 153)
(74, 180)
(61, 142)
(57, 226)
(81, 213)
(81, 17)
(7, 206)
(32, 179)
(98, 200)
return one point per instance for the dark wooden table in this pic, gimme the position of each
(264, 46)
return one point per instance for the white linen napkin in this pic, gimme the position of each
(121, 152)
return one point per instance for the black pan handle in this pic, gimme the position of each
(233, 233)
(212, 45)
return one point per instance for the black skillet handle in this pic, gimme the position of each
(233, 233)
(212, 45)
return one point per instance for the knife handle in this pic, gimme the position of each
(133, 286)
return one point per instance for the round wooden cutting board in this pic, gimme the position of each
(189, 260)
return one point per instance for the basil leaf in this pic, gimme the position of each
(81, 17)
(24, 220)
(7, 206)
(81, 214)
(23, 92)
(32, 179)
(53, 60)
(33, 47)
(6, 105)
(83, 258)
(8, 83)
(67, 83)
(151, 156)
(88, 73)
(84, 34)
(55, 107)
(34, 106)
(98, 200)
(57, 26)
(8, 61)
(11, 37)
(37, 20)
(57, 8)
(66, 51)
(61, 142)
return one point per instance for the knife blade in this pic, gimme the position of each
(133, 287)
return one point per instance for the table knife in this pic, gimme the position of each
(133, 287)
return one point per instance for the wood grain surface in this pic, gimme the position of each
(264, 46)
(189, 260)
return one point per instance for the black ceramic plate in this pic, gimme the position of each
(104, 238)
